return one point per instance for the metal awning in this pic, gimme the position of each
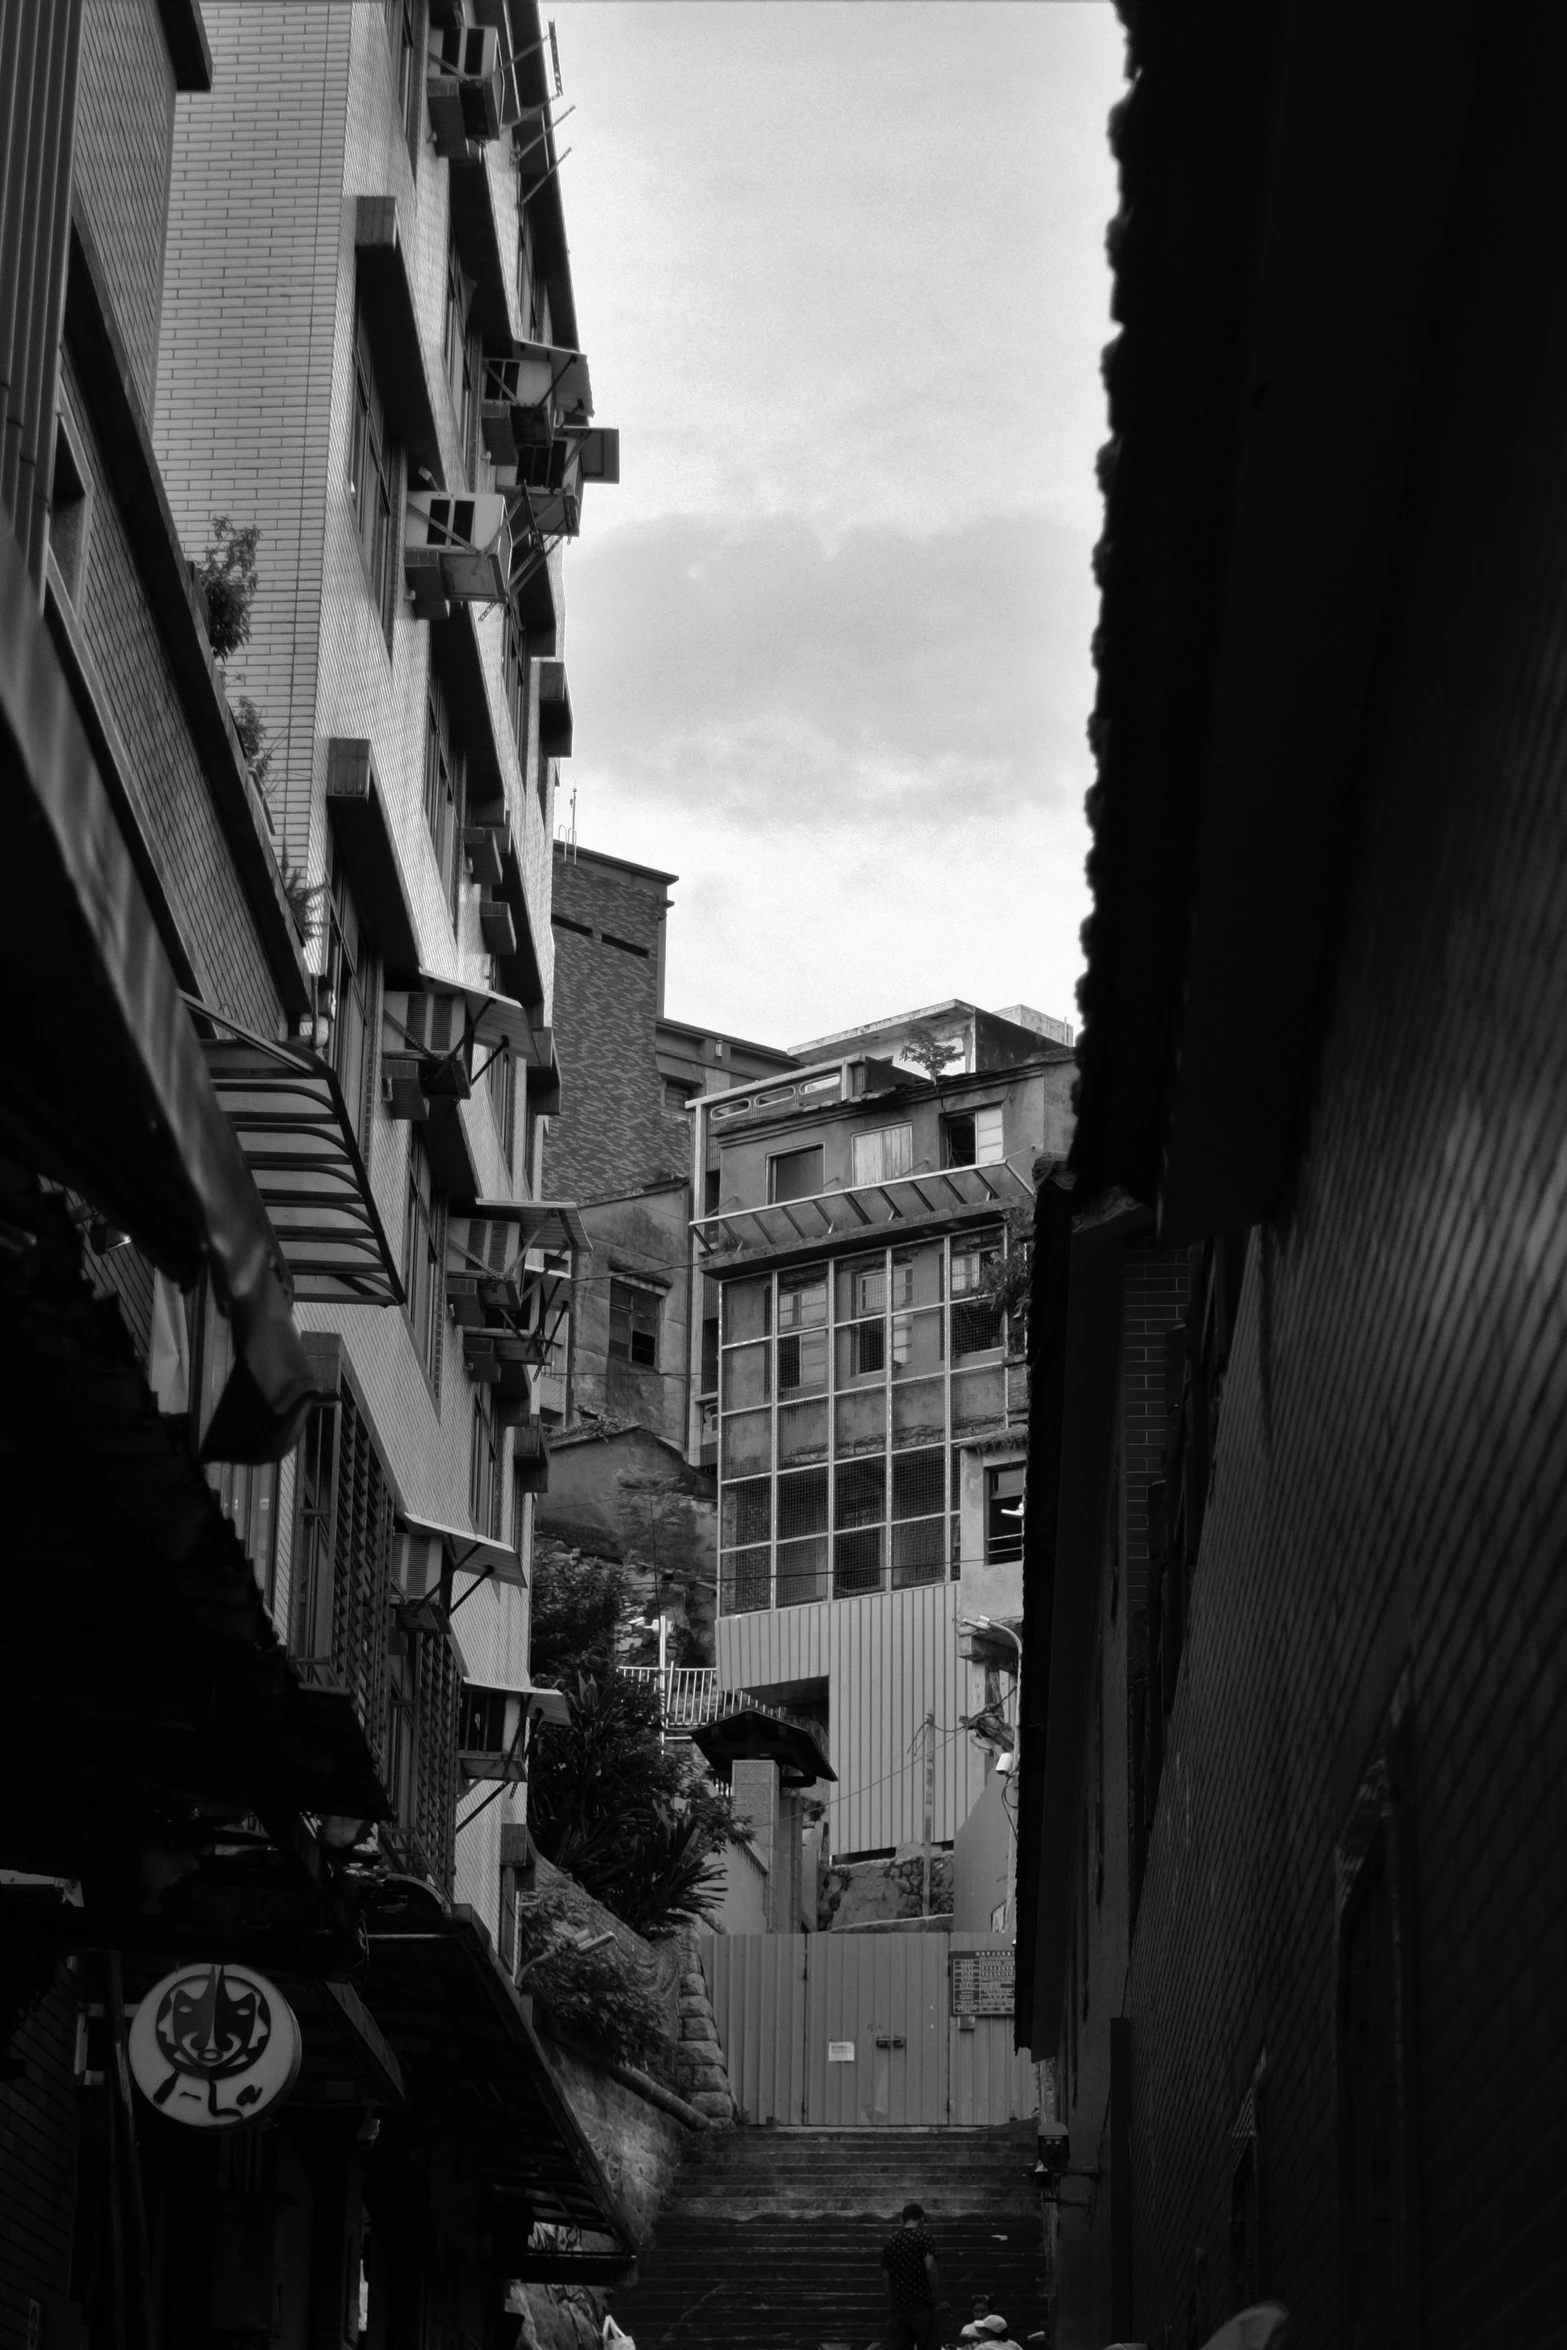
(541, 1223)
(862, 1211)
(284, 1105)
(471, 1554)
(491, 1017)
(127, 1117)
(475, 2067)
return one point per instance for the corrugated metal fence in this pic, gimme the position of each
(857, 2030)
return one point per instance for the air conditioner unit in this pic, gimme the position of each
(463, 92)
(599, 457)
(402, 1087)
(557, 513)
(498, 929)
(531, 1458)
(494, 1723)
(457, 549)
(484, 845)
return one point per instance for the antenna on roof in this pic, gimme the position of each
(555, 60)
(571, 829)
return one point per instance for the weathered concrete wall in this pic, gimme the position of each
(640, 2147)
(865, 1891)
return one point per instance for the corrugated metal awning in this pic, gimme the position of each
(870, 1212)
(285, 1107)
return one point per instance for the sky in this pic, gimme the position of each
(840, 276)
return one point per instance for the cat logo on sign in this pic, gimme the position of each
(213, 2046)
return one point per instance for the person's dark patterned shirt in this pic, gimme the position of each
(903, 2258)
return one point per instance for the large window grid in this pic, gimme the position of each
(845, 1391)
(443, 789)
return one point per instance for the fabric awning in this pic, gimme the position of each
(102, 1083)
(284, 1106)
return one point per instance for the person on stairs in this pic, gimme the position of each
(908, 2263)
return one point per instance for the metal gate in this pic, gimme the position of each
(859, 2030)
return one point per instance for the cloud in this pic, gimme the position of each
(852, 754)
(891, 678)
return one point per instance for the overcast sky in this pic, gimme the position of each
(840, 275)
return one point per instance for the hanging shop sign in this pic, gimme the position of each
(983, 1982)
(213, 2046)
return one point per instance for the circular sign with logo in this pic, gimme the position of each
(213, 2046)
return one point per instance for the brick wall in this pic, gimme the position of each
(124, 130)
(1388, 1500)
(612, 1134)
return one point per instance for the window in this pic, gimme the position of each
(423, 1249)
(485, 1498)
(514, 671)
(374, 484)
(881, 1157)
(633, 1324)
(1004, 1515)
(402, 31)
(500, 1077)
(442, 789)
(342, 1585)
(795, 1174)
(975, 1138)
(69, 510)
(457, 349)
(836, 1382)
(350, 999)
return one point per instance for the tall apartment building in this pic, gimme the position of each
(861, 1389)
(269, 1151)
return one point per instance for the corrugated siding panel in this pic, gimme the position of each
(990, 2081)
(757, 1986)
(887, 1659)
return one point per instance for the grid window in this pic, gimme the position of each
(919, 1552)
(373, 484)
(747, 1513)
(802, 1504)
(802, 1298)
(976, 1138)
(802, 1571)
(839, 1463)
(919, 1482)
(856, 1563)
(860, 1492)
(500, 1076)
(745, 1581)
(802, 1362)
(746, 1377)
(633, 1324)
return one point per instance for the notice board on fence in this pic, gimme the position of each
(982, 1981)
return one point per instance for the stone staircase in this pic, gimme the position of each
(771, 2238)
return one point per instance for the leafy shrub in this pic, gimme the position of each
(226, 576)
(251, 728)
(624, 1814)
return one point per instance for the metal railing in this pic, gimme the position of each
(690, 1698)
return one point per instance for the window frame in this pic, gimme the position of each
(445, 791)
(642, 1304)
(375, 476)
(424, 1258)
(486, 1465)
(777, 1159)
(404, 29)
(352, 991)
(860, 1154)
